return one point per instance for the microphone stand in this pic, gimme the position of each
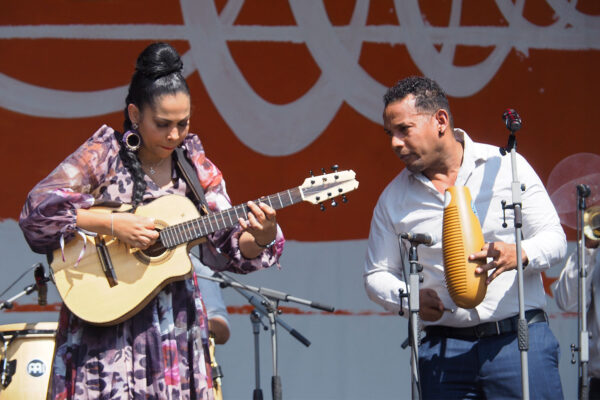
(8, 304)
(413, 305)
(523, 329)
(256, 321)
(583, 191)
(266, 304)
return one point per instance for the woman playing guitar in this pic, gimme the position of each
(161, 351)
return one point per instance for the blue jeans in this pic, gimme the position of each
(490, 367)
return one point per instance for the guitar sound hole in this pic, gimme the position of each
(155, 250)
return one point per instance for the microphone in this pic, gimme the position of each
(419, 238)
(40, 284)
(512, 120)
(583, 190)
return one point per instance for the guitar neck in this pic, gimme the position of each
(174, 235)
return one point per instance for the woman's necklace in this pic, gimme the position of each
(151, 167)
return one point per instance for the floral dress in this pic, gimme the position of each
(162, 351)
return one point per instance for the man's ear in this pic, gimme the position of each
(443, 120)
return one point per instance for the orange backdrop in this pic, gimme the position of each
(553, 89)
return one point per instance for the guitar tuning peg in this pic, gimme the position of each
(311, 172)
(333, 203)
(335, 167)
(344, 199)
(324, 172)
(322, 207)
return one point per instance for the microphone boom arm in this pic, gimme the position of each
(8, 304)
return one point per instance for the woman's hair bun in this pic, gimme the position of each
(158, 71)
(159, 59)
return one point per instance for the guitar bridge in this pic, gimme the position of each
(106, 262)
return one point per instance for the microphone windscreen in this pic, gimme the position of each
(462, 236)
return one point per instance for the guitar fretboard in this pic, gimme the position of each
(174, 235)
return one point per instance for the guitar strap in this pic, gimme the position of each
(188, 173)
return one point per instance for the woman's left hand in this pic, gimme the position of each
(261, 223)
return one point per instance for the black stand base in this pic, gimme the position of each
(276, 387)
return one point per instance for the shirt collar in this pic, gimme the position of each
(471, 158)
(470, 154)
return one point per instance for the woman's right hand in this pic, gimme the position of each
(135, 230)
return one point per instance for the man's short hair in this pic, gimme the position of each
(429, 96)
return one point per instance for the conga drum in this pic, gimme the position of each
(26, 359)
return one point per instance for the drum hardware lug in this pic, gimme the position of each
(8, 370)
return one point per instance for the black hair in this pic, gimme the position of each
(429, 96)
(134, 166)
(158, 71)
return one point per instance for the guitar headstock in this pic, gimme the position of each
(320, 188)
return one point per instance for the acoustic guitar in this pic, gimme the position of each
(104, 281)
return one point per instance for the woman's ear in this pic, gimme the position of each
(134, 113)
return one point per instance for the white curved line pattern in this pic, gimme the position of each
(278, 130)
(266, 128)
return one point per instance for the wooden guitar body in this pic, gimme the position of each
(85, 288)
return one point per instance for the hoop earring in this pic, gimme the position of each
(131, 139)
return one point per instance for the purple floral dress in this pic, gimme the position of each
(162, 351)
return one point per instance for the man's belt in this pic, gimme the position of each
(508, 325)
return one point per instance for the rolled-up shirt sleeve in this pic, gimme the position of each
(383, 277)
(544, 240)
